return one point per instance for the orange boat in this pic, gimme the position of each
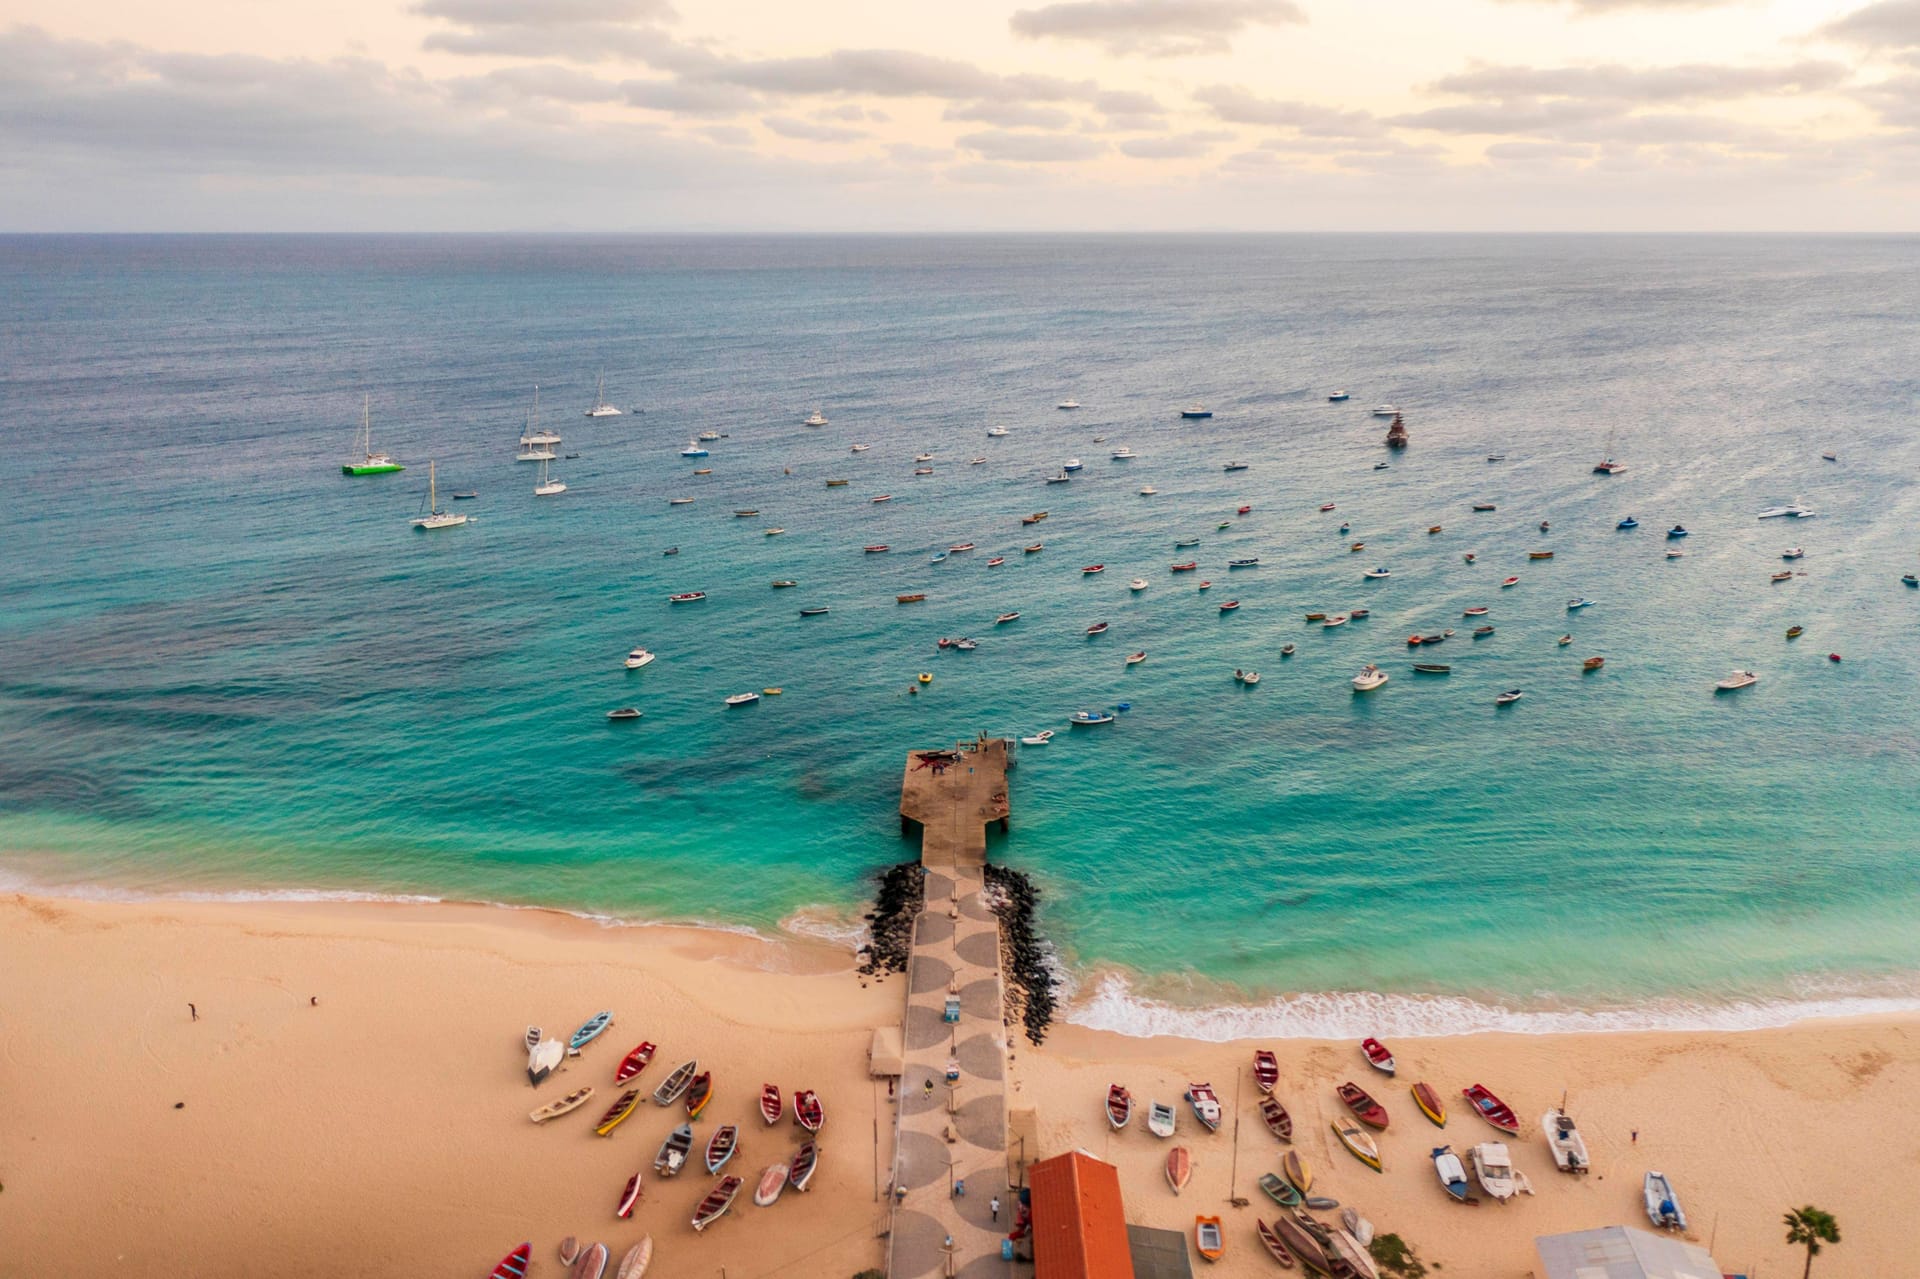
(1179, 1168)
(1207, 1238)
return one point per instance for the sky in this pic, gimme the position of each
(937, 115)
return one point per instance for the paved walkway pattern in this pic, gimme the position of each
(955, 1130)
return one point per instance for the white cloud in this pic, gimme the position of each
(1156, 28)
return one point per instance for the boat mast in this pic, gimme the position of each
(366, 423)
(433, 492)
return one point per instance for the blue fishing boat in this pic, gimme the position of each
(1678, 530)
(1452, 1173)
(589, 1031)
(1629, 522)
(1091, 717)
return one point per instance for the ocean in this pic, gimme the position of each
(226, 668)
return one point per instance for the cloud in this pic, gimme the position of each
(915, 154)
(531, 13)
(572, 30)
(1890, 24)
(1623, 6)
(1031, 148)
(1691, 82)
(690, 97)
(1010, 115)
(1174, 146)
(507, 86)
(807, 131)
(1156, 28)
(1236, 105)
(727, 135)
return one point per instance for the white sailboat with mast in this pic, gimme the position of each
(548, 486)
(600, 406)
(435, 517)
(536, 445)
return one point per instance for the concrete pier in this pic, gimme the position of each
(952, 1110)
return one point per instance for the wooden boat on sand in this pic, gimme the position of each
(673, 1085)
(1266, 1069)
(554, 1109)
(715, 1205)
(1492, 1109)
(1364, 1108)
(590, 1264)
(1275, 1249)
(569, 1250)
(1119, 1106)
(633, 1063)
(1294, 1168)
(1179, 1168)
(1206, 1105)
(721, 1147)
(808, 1112)
(589, 1031)
(1208, 1239)
(805, 1163)
(1302, 1244)
(618, 1112)
(1346, 1250)
(699, 1093)
(674, 1151)
(1358, 1144)
(1160, 1119)
(770, 1103)
(628, 1198)
(1430, 1104)
(772, 1181)
(1377, 1055)
(514, 1264)
(1278, 1121)
(1278, 1190)
(638, 1258)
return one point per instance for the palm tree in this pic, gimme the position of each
(1810, 1226)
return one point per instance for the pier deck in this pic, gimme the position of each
(953, 1130)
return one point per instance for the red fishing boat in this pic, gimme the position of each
(715, 1205)
(807, 1110)
(1188, 567)
(1364, 1108)
(1091, 569)
(628, 1198)
(699, 1093)
(1119, 1106)
(770, 1105)
(996, 561)
(1266, 1069)
(1245, 510)
(633, 1063)
(1278, 1121)
(1492, 1109)
(514, 1264)
(1378, 1055)
(876, 548)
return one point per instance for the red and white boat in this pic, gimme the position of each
(1119, 1106)
(1377, 1055)
(1364, 1108)
(628, 1198)
(1326, 506)
(772, 1182)
(633, 1063)
(807, 1110)
(1266, 1069)
(715, 1205)
(1205, 585)
(514, 1264)
(1511, 581)
(1492, 1109)
(1245, 510)
(1098, 628)
(1091, 569)
(1227, 606)
(805, 1163)
(770, 1104)
(1188, 567)
(996, 561)
(884, 497)
(876, 548)
(1275, 1116)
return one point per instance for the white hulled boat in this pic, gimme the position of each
(435, 517)
(600, 406)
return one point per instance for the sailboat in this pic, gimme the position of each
(536, 445)
(548, 486)
(435, 517)
(600, 406)
(369, 463)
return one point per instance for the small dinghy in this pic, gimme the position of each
(1276, 1118)
(772, 1182)
(1207, 1238)
(674, 1151)
(1266, 1069)
(1593, 663)
(1564, 1140)
(569, 1250)
(1161, 1119)
(770, 1104)
(1179, 1168)
(1278, 1190)
(628, 1198)
(1426, 1098)
(1492, 1109)
(715, 1205)
(514, 1264)
(1206, 1105)
(722, 1146)
(1275, 1249)
(805, 1163)
(699, 1093)
(533, 1038)
(1377, 1055)
(554, 1109)
(633, 1063)
(617, 1113)
(1364, 1108)
(1452, 1174)
(673, 1085)
(1119, 1106)
(1294, 1168)
(1004, 618)
(591, 1264)
(1134, 659)
(639, 1257)
(808, 1111)
(1663, 1203)
(588, 1032)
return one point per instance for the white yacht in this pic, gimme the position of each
(548, 486)
(637, 658)
(1739, 679)
(815, 418)
(536, 437)
(1067, 404)
(693, 449)
(997, 432)
(600, 406)
(1123, 453)
(1369, 678)
(435, 517)
(1384, 410)
(1792, 512)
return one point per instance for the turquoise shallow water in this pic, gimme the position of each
(225, 667)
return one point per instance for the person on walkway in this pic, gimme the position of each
(927, 1091)
(994, 1205)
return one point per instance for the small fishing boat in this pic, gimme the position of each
(1539, 555)
(699, 1093)
(808, 1111)
(1246, 677)
(1040, 738)
(913, 597)
(1161, 1119)
(1196, 411)
(838, 484)
(742, 699)
(1453, 1176)
(686, 597)
(1090, 569)
(1084, 718)
(1544, 526)
(1784, 576)
(1739, 679)
(514, 1264)
(617, 1113)
(554, 1109)
(1676, 555)
(1377, 573)
(1369, 678)
(628, 1198)
(588, 1032)
(1275, 1249)
(1359, 613)
(675, 1084)
(1908, 579)
(694, 449)
(1469, 556)
(815, 418)
(1828, 457)
(1186, 542)
(639, 657)
(1564, 640)
(1188, 567)
(1179, 1168)
(1123, 453)
(1035, 518)
(884, 497)
(1293, 1166)
(1564, 1140)
(1349, 1254)
(1358, 1144)
(805, 1163)
(1326, 506)
(860, 448)
(938, 557)
(1478, 610)
(1492, 1109)
(1364, 1108)
(1071, 465)
(1004, 618)
(773, 1180)
(1433, 529)
(1795, 632)
(1119, 1106)
(679, 501)
(819, 611)
(1377, 1055)
(1206, 1105)
(1206, 1231)
(1593, 663)
(782, 583)
(1098, 628)
(1481, 632)
(715, 1205)
(639, 1257)
(1663, 1203)
(1483, 506)
(1384, 410)
(1493, 1168)
(1137, 584)
(1060, 477)
(1359, 1227)
(543, 1059)
(1508, 698)
(746, 513)
(1431, 668)
(996, 432)
(674, 1151)
(877, 548)
(1628, 523)
(1276, 1118)
(1266, 1069)
(1234, 466)
(996, 561)
(1304, 1244)
(591, 1264)
(1249, 562)
(722, 1146)
(1226, 606)
(1793, 553)
(1430, 1104)
(1148, 490)
(1286, 650)
(1036, 548)
(1134, 659)
(1678, 530)
(923, 470)
(1278, 1190)
(1578, 602)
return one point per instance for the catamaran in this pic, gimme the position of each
(600, 406)
(369, 463)
(435, 517)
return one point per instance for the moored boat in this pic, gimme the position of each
(1119, 1106)
(1739, 679)
(1377, 1055)
(716, 1203)
(1364, 1108)
(1431, 668)
(1090, 569)
(686, 597)
(1207, 1238)
(1081, 718)
(773, 1180)
(1509, 697)
(1098, 628)
(617, 1113)
(1179, 1168)
(1369, 678)
(1593, 663)
(675, 1084)
(553, 1109)
(1492, 1109)
(1276, 1118)
(808, 1110)
(633, 1063)
(1226, 606)
(1539, 555)
(674, 1151)
(742, 699)
(1134, 659)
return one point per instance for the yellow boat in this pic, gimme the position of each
(773, 692)
(618, 1112)
(1358, 1144)
(1295, 1170)
(1430, 1104)
(926, 678)
(1358, 546)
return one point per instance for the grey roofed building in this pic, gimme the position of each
(1158, 1254)
(1616, 1252)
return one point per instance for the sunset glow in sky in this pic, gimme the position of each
(633, 115)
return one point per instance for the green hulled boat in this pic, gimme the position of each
(369, 462)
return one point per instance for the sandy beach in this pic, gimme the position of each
(384, 1130)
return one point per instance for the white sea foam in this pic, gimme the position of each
(1110, 1004)
(822, 923)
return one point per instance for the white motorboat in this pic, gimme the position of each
(860, 448)
(1792, 553)
(815, 418)
(1338, 397)
(1061, 478)
(1071, 465)
(1508, 698)
(1137, 584)
(1369, 678)
(1091, 717)
(1384, 410)
(1663, 1204)
(548, 486)
(694, 449)
(1123, 453)
(600, 406)
(1067, 404)
(1494, 1168)
(743, 699)
(1739, 679)
(639, 657)
(997, 432)
(1564, 1140)
(435, 517)
(1377, 573)
(1040, 738)
(1788, 512)
(709, 435)
(1148, 491)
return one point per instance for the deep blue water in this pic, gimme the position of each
(224, 666)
